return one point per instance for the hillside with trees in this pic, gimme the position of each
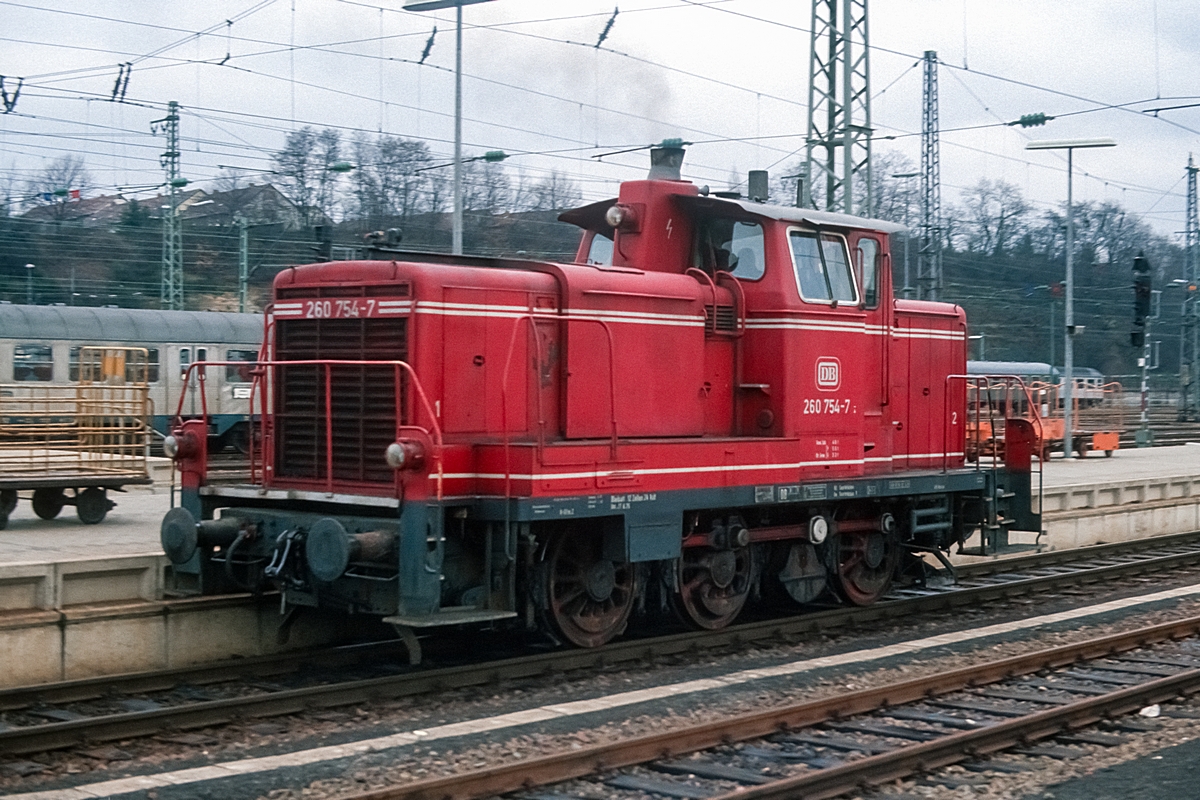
(1003, 256)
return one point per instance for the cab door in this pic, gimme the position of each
(874, 279)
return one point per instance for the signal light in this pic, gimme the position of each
(1142, 292)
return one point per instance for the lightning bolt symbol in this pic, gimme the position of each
(669, 228)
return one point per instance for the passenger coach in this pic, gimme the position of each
(41, 344)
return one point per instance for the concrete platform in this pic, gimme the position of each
(1132, 495)
(1129, 464)
(79, 600)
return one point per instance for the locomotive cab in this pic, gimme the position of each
(719, 400)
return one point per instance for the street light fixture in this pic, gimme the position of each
(29, 283)
(1070, 145)
(457, 5)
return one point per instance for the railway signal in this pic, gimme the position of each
(1142, 294)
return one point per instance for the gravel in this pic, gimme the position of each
(257, 737)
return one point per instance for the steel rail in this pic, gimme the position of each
(547, 770)
(885, 767)
(55, 735)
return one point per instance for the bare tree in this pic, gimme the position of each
(328, 153)
(390, 180)
(895, 199)
(994, 216)
(57, 180)
(486, 187)
(8, 203)
(229, 179)
(551, 193)
(303, 164)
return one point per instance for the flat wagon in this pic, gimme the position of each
(71, 444)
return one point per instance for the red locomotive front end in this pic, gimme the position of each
(719, 400)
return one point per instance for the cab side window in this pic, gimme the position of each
(822, 269)
(600, 251)
(729, 245)
(866, 258)
(746, 244)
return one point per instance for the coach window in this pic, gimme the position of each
(867, 259)
(822, 269)
(152, 365)
(240, 373)
(33, 362)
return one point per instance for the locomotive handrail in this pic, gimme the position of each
(1009, 381)
(328, 364)
(712, 288)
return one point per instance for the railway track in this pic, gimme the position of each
(826, 748)
(53, 716)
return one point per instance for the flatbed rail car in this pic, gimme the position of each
(40, 345)
(86, 438)
(717, 403)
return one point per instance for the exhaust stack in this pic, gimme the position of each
(665, 161)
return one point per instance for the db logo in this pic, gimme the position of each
(829, 374)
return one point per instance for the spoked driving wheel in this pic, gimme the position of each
(713, 585)
(866, 563)
(589, 596)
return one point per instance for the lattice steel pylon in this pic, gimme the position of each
(172, 250)
(838, 147)
(1189, 339)
(929, 254)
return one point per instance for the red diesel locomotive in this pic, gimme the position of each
(718, 401)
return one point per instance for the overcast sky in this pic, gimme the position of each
(730, 75)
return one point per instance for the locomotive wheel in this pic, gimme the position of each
(589, 596)
(713, 585)
(47, 503)
(866, 563)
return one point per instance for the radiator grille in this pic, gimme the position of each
(726, 318)
(362, 398)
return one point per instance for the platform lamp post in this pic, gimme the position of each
(1070, 329)
(907, 177)
(29, 284)
(457, 5)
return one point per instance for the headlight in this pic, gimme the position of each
(395, 456)
(623, 217)
(181, 445)
(405, 454)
